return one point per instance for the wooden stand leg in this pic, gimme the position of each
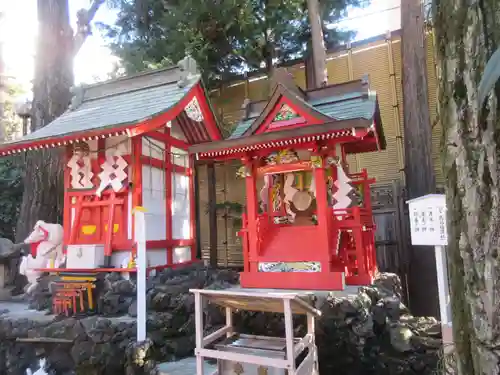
(199, 333)
(290, 355)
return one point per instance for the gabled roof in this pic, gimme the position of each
(349, 110)
(119, 105)
(351, 100)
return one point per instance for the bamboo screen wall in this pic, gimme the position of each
(380, 59)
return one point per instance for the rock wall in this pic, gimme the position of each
(370, 332)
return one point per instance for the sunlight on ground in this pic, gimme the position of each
(94, 61)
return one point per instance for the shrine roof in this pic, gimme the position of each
(348, 113)
(353, 105)
(113, 107)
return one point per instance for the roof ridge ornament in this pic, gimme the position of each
(189, 70)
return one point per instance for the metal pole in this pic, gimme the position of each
(141, 264)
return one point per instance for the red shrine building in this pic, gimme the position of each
(134, 142)
(308, 221)
(126, 144)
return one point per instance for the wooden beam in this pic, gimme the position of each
(212, 213)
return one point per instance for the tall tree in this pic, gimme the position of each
(224, 36)
(317, 43)
(467, 33)
(419, 168)
(56, 47)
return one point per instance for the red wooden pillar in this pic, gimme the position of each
(363, 277)
(323, 212)
(251, 193)
(244, 242)
(136, 181)
(192, 209)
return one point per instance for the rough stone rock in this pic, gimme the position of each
(8, 249)
(370, 332)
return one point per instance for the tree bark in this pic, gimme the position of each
(56, 48)
(419, 169)
(318, 44)
(43, 187)
(467, 33)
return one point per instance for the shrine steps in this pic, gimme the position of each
(186, 366)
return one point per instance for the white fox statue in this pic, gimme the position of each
(46, 242)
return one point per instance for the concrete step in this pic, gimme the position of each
(186, 366)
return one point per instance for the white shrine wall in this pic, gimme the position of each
(154, 201)
(181, 208)
(153, 148)
(122, 140)
(155, 257)
(182, 254)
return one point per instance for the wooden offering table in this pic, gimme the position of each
(238, 353)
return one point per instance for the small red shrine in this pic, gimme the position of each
(308, 221)
(126, 144)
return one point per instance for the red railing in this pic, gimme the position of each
(361, 179)
(348, 218)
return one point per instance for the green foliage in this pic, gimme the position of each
(11, 193)
(11, 122)
(224, 36)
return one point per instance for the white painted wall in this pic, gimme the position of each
(182, 254)
(119, 257)
(123, 140)
(154, 201)
(157, 257)
(181, 216)
(153, 148)
(179, 157)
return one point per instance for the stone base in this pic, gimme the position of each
(5, 294)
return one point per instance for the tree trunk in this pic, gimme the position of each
(318, 44)
(419, 169)
(467, 33)
(43, 188)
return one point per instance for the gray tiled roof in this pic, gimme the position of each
(342, 107)
(115, 103)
